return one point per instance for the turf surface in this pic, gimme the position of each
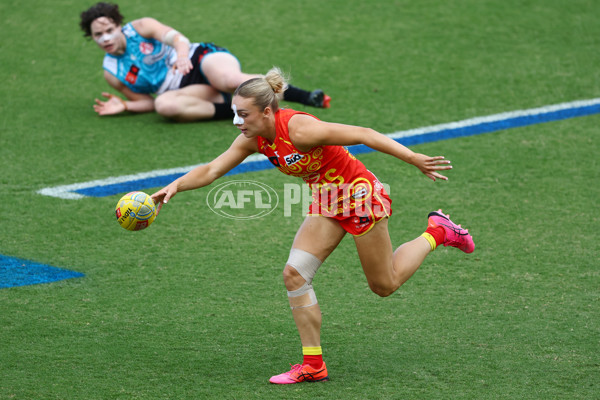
(194, 307)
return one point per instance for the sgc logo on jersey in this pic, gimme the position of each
(242, 199)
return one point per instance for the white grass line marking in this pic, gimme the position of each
(495, 118)
(68, 191)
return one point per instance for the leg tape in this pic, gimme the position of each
(305, 263)
(303, 297)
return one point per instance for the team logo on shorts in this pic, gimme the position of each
(364, 220)
(360, 193)
(146, 48)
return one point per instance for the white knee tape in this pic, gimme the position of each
(305, 263)
(302, 297)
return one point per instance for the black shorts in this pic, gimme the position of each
(195, 76)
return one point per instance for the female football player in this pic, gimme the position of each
(191, 81)
(347, 198)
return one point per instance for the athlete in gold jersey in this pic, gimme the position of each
(347, 198)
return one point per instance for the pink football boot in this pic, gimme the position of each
(455, 235)
(301, 373)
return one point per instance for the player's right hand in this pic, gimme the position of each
(163, 196)
(183, 65)
(114, 105)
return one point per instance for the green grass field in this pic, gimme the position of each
(195, 308)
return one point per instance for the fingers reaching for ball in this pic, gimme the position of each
(163, 196)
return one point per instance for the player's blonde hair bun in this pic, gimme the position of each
(264, 90)
(276, 80)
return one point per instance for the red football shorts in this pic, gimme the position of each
(357, 206)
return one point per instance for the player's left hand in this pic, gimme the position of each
(431, 165)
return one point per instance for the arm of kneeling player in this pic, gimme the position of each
(134, 102)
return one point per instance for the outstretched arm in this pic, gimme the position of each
(135, 102)
(307, 132)
(205, 174)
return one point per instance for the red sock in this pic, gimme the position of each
(314, 361)
(438, 234)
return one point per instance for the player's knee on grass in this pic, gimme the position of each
(166, 106)
(179, 108)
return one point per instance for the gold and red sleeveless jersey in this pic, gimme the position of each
(321, 165)
(342, 187)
